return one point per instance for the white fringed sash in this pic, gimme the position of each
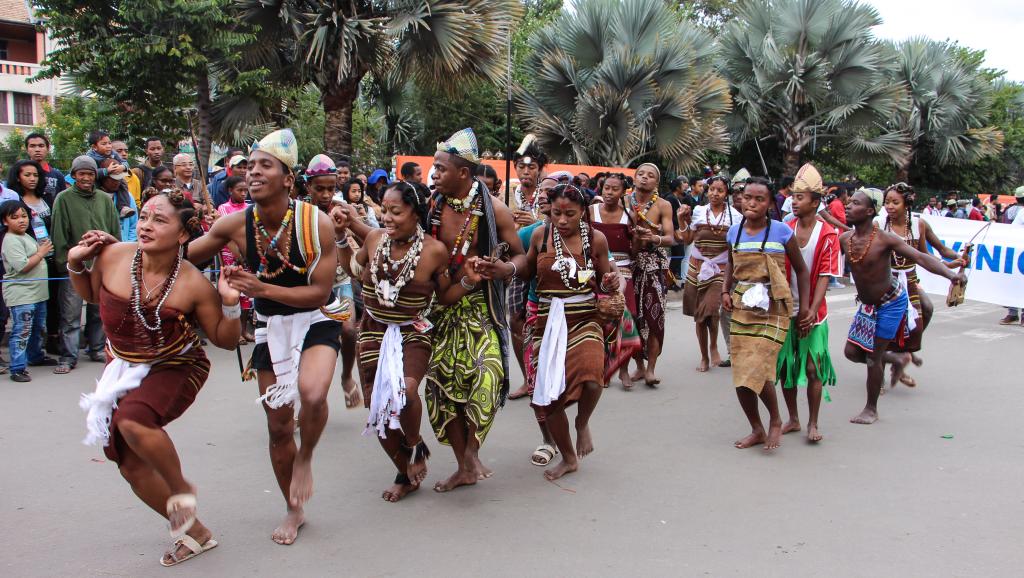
(911, 312)
(388, 397)
(118, 378)
(284, 336)
(551, 359)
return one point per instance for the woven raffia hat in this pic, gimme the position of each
(280, 144)
(462, 144)
(808, 180)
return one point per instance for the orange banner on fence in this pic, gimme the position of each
(426, 163)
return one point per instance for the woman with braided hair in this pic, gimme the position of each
(151, 299)
(570, 260)
(899, 199)
(401, 269)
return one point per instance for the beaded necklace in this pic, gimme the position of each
(634, 204)
(871, 239)
(399, 273)
(899, 261)
(718, 227)
(565, 262)
(274, 248)
(461, 205)
(136, 300)
(530, 205)
(465, 237)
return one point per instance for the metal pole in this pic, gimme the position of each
(508, 124)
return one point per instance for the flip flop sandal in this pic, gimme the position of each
(180, 502)
(353, 399)
(908, 381)
(63, 368)
(543, 455)
(194, 549)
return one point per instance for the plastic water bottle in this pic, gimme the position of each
(39, 228)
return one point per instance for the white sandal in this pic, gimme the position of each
(543, 455)
(171, 558)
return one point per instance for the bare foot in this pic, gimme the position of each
(584, 442)
(560, 470)
(399, 491)
(301, 489)
(774, 437)
(286, 533)
(650, 379)
(790, 426)
(755, 437)
(917, 360)
(417, 472)
(627, 381)
(866, 417)
(521, 392)
(703, 367)
(353, 397)
(896, 372)
(482, 471)
(908, 381)
(459, 478)
(638, 374)
(716, 359)
(812, 433)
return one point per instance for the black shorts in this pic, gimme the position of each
(322, 333)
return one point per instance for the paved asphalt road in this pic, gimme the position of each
(664, 494)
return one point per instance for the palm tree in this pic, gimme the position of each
(616, 82)
(806, 70)
(948, 106)
(334, 44)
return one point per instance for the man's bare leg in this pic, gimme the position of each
(584, 409)
(748, 401)
(558, 424)
(653, 352)
(814, 388)
(353, 396)
(876, 367)
(465, 475)
(702, 342)
(281, 429)
(774, 418)
(516, 328)
(152, 489)
(789, 395)
(316, 371)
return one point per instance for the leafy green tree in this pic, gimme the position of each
(335, 44)
(153, 58)
(948, 108)
(618, 82)
(809, 71)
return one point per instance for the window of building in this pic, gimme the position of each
(23, 109)
(3, 50)
(3, 108)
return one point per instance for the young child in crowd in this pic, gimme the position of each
(23, 259)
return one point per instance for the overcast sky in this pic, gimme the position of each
(997, 26)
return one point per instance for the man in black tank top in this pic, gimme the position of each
(290, 265)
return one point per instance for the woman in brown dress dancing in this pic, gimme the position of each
(401, 269)
(150, 300)
(706, 228)
(611, 218)
(570, 260)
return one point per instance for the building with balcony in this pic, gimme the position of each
(23, 45)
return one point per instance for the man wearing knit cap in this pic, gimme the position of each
(468, 377)
(77, 210)
(290, 262)
(654, 236)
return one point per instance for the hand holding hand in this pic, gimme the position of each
(228, 295)
(727, 302)
(471, 271)
(490, 268)
(610, 282)
(241, 280)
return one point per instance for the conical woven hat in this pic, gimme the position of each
(808, 180)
